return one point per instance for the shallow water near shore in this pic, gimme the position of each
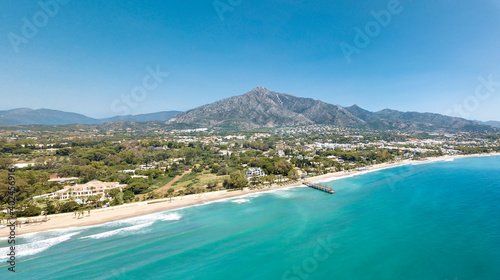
(437, 220)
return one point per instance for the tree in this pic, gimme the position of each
(153, 173)
(31, 211)
(63, 152)
(181, 193)
(114, 192)
(50, 208)
(69, 206)
(138, 187)
(127, 156)
(283, 166)
(237, 179)
(128, 196)
(6, 163)
(293, 174)
(170, 192)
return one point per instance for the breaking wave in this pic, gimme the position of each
(35, 244)
(240, 201)
(118, 231)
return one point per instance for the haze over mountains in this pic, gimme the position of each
(26, 116)
(491, 123)
(263, 108)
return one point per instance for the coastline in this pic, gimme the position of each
(110, 214)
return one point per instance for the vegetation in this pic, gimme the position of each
(155, 162)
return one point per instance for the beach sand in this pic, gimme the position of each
(103, 215)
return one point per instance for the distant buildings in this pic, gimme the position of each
(255, 172)
(225, 153)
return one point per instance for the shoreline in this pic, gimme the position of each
(125, 211)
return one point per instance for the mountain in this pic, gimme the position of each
(392, 119)
(25, 116)
(160, 116)
(263, 108)
(42, 116)
(491, 123)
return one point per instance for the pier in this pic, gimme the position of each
(320, 188)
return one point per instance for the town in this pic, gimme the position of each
(68, 169)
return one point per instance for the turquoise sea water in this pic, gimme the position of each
(428, 221)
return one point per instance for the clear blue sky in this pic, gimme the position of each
(87, 54)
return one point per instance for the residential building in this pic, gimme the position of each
(255, 172)
(91, 188)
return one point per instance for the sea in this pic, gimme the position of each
(433, 221)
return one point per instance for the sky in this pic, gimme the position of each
(106, 58)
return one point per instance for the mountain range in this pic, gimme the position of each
(26, 116)
(261, 107)
(491, 123)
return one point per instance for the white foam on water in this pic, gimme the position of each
(240, 201)
(134, 224)
(171, 217)
(29, 235)
(146, 219)
(125, 230)
(449, 159)
(35, 245)
(283, 189)
(283, 192)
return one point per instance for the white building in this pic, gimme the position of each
(255, 172)
(91, 188)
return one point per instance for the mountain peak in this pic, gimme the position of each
(259, 90)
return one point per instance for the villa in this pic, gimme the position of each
(255, 172)
(91, 188)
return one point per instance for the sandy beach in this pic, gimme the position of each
(99, 216)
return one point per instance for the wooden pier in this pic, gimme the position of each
(320, 188)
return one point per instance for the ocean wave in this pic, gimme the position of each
(240, 201)
(118, 231)
(134, 224)
(36, 245)
(146, 219)
(284, 192)
(171, 217)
